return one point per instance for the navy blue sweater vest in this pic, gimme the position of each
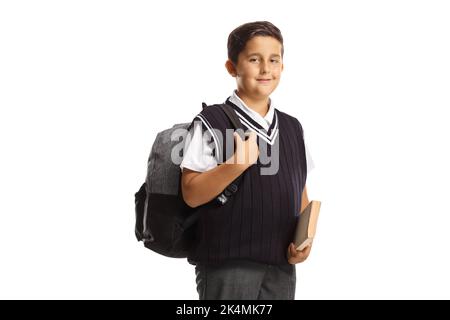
(258, 222)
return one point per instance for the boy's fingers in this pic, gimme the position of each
(306, 250)
(251, 135)
(292, 250)
(237, 138)
(247, 136)
(299, 254)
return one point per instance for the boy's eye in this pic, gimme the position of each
(256, 60)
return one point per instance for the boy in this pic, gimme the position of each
(244, 248)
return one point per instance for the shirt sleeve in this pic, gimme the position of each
(309, 160)
(198, 152)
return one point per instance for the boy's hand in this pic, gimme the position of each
(295, 256)
(247, 152)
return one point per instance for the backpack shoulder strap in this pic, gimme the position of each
(231, 114)
(237, 124)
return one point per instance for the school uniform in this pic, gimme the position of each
(240, 252)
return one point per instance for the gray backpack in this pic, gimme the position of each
(164, 222)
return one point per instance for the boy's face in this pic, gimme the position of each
(258, 68)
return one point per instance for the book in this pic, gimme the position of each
(306, 225)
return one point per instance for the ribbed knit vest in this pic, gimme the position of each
(258, 222)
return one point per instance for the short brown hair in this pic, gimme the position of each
(239, 37)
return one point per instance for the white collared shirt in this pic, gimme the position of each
(265, 121)
(198, 155)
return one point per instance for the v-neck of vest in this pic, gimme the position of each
(250, 123)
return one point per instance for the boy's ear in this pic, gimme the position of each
(230, 68)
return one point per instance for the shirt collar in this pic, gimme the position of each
(265, 121)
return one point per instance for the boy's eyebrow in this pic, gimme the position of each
(259, 54)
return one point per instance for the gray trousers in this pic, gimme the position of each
(245, 280)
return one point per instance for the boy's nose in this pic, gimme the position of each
(264, 68)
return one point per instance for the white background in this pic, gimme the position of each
(86, 85)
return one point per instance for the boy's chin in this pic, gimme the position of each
(264, 92)
(259, 92)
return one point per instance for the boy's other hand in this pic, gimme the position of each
(294, 256)
(247, 151)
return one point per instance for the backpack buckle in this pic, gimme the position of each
(227, 193)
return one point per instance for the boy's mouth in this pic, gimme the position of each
(263, 80)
